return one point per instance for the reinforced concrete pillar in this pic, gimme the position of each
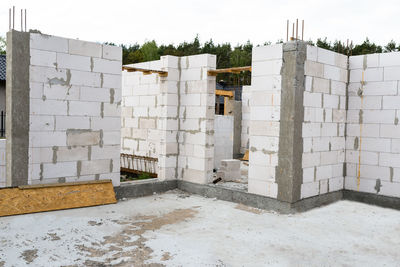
(17, 108)
(276, 117)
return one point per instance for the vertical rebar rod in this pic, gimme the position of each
(25, 20)
(287, 30)
(302, 30)
(22, 29)
(13, 18)
(293, 31)
(297, 29)
(9, 19)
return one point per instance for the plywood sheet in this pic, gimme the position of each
(37, 198)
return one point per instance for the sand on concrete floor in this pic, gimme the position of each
(179, 229)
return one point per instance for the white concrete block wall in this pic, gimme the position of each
(244, 144)
(223, 139)
(168, 121)
(172, 117)
(373, 130)
(196, 123)
(140, 112)
(324, 122)
(264, 119)
(75, 98)
(2, 162)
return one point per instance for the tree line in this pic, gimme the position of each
(237, 56)
(229, 55)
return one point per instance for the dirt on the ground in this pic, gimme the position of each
(134, 228)
(29, 255)
(248, 209)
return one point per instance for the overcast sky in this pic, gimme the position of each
(173, 21)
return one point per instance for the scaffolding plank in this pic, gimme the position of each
(224, 93)
(229, 70)
(38, 198)
(145, 71)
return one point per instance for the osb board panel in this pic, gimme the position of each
(55, 197)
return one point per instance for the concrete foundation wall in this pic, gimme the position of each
(244, 143)
(264, 119)
(2, 163)
(373, 130)
(74, 118)
(223, 139)
(323, 128)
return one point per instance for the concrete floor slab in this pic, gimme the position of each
(179, 229)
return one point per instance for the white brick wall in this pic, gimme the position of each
(264, 102)
(324, 122)
(171, 118)
(137, 122)
(75, 94)
(373, 132)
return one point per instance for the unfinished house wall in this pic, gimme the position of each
(180, 110)
(324, 122)
(140, 111)
(244, 143)
(223, 139)
(2, 163)
(264, 119)
(196, 118)
(71, 114)
(373, 130)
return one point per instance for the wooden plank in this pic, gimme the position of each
(246, 155)
(229, 70)
(224, 93)
(146, 71)
(38, 198)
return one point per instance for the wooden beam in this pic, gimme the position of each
(224, 93)
(46, 197)
(145, 71)
(229, 70)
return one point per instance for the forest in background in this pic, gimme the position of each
(238, 55)
(229, 55)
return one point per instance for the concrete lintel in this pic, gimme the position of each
(17, 108)
(289, 172)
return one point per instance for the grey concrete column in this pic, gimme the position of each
(17, 108)
(289, 172)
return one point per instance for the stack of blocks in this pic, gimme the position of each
(73, 112)
(229, 170)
